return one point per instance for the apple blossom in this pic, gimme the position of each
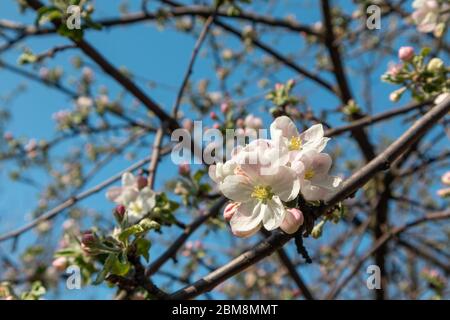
(284, 131)
(259, 196)
(137, 197)
(312, 169)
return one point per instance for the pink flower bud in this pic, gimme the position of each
(278, 86)
(225, 107)
(394, 69)
(142, 182)
(213, 115)
(293, 220)
(240, 122)
(119, 212)
(230, 210)
(88, 238)
(406, 53)
(8, 136)
(216, 125)
(60, 264)
(184, 169)
(188, 124)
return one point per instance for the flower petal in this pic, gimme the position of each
(237, 188)
(274, 213)
(128, 179)
(313, 192)
(284, 183)
(113, 193)
(283, 127)
(247, 219)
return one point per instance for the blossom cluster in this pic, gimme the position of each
(424, 79)
(264, 178)
(430, 16)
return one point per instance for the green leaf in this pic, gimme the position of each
(198, 175)
(133, 230)
(67, 252)
(143, 247)
(149, 224)
(425, 51)
(120, 267)
(109, 263)
(46, 14)
(75, 34)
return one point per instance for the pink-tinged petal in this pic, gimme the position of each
(321, 163)
(230, 210)
(313, 133)
(274, 213)
(237, 188)
(299, 168)
(128, 195)
(247, 219)
(312, 192)
(283, 127)
(113, 193)
(128, 179)
(284, 183)
(331, 183)
(292, 221)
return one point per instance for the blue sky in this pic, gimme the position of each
(152, 54)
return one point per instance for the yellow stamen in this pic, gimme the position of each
(262, 193)
(309, 174)
(135, 206)
(295, 143)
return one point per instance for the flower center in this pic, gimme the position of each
(295, 143)
(262, 193)
(135, 206)
(309, 174)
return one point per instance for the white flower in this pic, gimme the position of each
(135, 195)
(312, 169)
(284, 132)
(84, 102)
(259, 196)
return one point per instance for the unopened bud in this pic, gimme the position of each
(184, 169)
(119, 212)
(142, 182)
(435, 65)
(88, 238)
(292, 221)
